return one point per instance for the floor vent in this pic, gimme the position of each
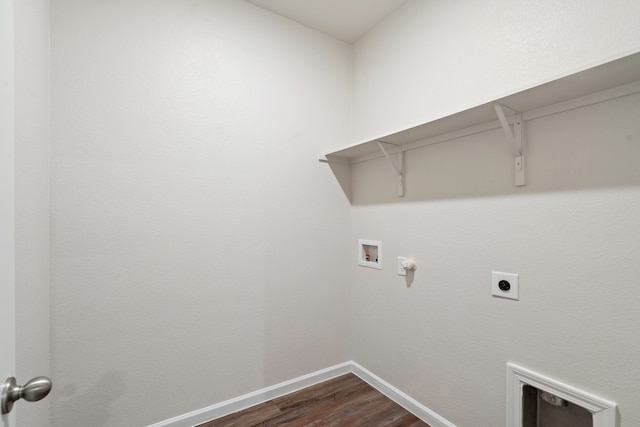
(534, 400)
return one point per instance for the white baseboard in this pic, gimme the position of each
(221, 409)
(402, 399)
(230, 406)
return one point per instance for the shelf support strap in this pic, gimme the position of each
(517, 140)
(399, 168)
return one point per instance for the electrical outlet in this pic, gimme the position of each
(504, 285)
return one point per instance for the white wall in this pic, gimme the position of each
(32, 126)
(435, 57)
(198, 247)
(572, 233)
(199, 251)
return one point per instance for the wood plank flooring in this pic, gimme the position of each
(345, 401)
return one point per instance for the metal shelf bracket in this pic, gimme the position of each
(516, 138)
(399, 168)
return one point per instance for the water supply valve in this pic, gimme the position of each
(409, 265)
(404, 265)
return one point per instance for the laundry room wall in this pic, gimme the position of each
(571, 233)
(199, 250)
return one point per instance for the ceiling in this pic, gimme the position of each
(346, 20)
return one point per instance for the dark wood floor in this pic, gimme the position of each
(340, 402)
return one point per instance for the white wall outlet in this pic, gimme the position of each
(401, 271)
(370, 253)
(504, 285)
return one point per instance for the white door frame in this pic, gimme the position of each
(7, 199)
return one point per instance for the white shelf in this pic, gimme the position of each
(611, 80)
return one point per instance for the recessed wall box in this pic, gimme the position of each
(370, 253)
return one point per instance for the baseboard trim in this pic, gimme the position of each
(402, 399)
(240, 403)
(248, 400)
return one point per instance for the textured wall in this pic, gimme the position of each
(572, 233)
(432, 58)
(199, 251)
(32, 124)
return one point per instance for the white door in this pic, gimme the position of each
(23, 43)
(7, 204)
